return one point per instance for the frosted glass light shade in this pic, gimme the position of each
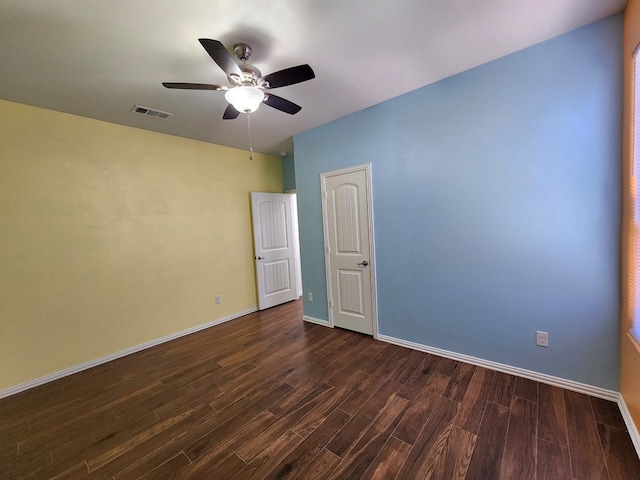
(245, 99)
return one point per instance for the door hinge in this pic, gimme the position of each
(330, 303)
(324, 194)
(328, 249)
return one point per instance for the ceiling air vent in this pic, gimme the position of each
(150, 112)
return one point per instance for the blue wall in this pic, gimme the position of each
(288, 173)
(496, 199)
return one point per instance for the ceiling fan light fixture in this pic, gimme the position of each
(245, 99)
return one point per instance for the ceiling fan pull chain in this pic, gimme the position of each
(250, 139)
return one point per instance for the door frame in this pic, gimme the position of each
(366, 167)
(296, 240)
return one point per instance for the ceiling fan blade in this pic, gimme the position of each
(230, 113)
(221, 56)
(290, 76)
(281, 104)
(194, 86)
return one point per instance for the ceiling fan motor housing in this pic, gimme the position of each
(250, 75)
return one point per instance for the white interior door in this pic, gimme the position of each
(348, 232)
(274, 248)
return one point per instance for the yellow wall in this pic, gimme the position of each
(629, 352)
(113, 236)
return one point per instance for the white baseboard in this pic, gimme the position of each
(319, 321)
(631, 426)
(519, 372)
(123, 353)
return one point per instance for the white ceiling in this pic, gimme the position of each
(99, 58)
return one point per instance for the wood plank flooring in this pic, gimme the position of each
(268, 396)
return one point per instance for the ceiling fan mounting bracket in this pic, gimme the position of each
(242, 51)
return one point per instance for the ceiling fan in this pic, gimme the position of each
(248, 87)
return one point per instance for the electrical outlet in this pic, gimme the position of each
(218, 298)
(310, 296)
(542, 339)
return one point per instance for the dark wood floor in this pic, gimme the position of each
(268, 396)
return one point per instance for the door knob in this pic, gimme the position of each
(364, 263)
(259, 258)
